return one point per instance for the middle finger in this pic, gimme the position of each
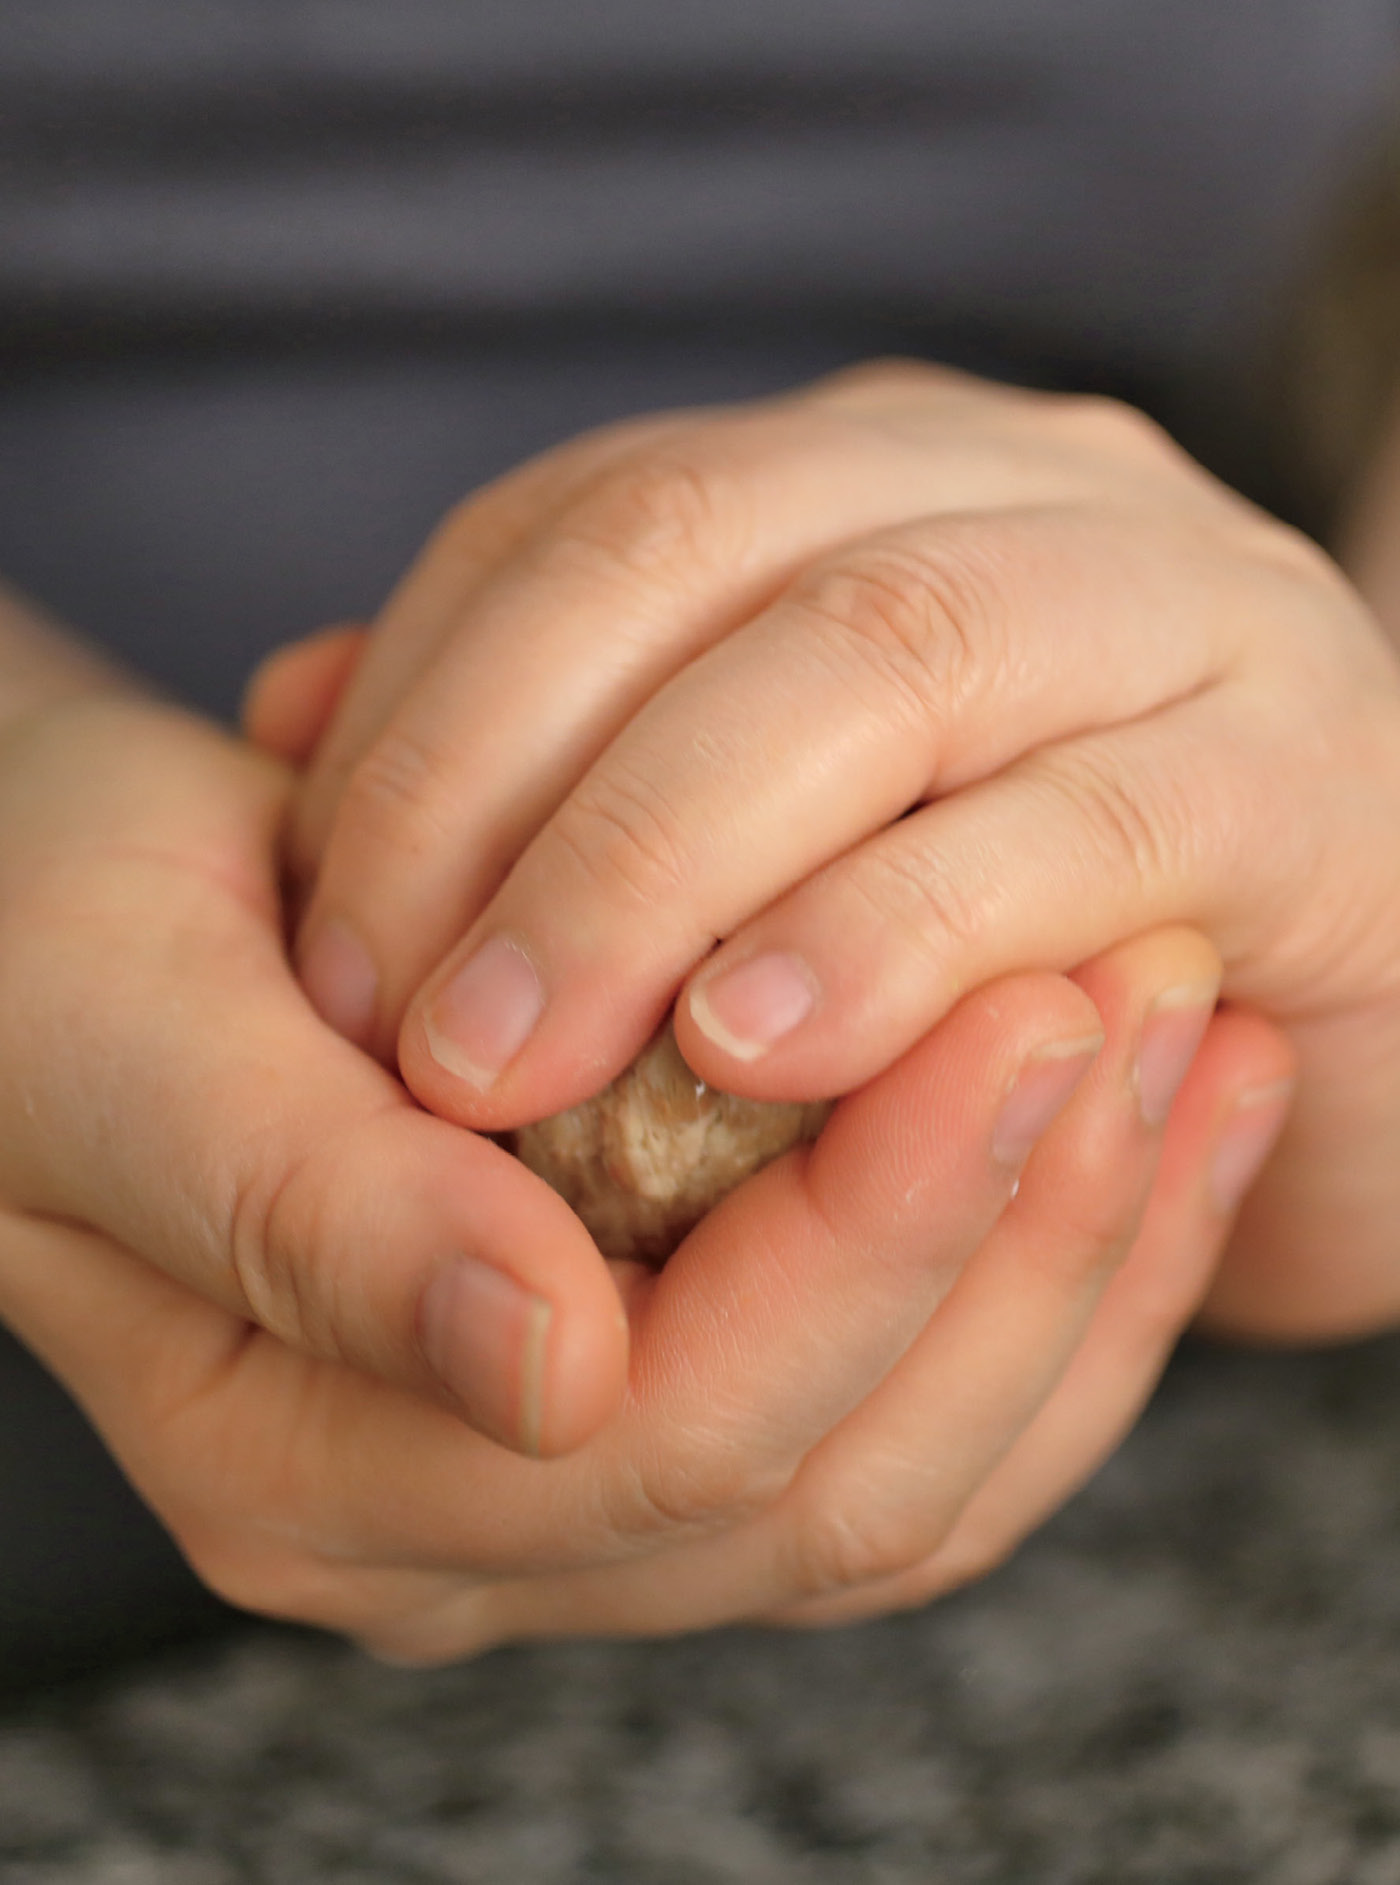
(898, 671)
(661, 549)
(776, 1317)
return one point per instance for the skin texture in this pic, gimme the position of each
(912, 681)
(770, 1456)
(166, 1083)
(217, 1219)
(884, 1359)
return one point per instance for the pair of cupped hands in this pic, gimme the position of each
(962, 751)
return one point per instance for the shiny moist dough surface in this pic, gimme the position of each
(645, 1159)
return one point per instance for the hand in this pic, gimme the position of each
(166, 1088)
(894, 685)
(860, 1381)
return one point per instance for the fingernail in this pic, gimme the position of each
(1174, 1028)
(485, 1337)
(340, 979)
(746, 1009)
(1246, 1143)
(1043, 1086)
(480, 1021)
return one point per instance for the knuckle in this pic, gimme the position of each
(286, 1241)
(920, 626)
(622, 834)
(264, 1580)
(398, 795)
(238, 1580)
(915, 894)
(459, 530)
(1114, 818)
(1317, 586)
(432, 1641)
(230, 1575)
(701, 1484)
(969, 1564)
(484, 524)
(1116, 425)
(1164, 1302)
(882, 375)
(1097, 1213)
(656, 514)
(276, 1228)
(836, 1549)
(968, 1555)
(1092, 1238)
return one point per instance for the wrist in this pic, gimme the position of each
(44, 664)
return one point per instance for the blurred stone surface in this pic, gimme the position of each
(1189, 1677)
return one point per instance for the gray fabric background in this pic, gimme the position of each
(278, 282)
(1132, 174)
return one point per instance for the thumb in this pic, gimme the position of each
(164, 1081)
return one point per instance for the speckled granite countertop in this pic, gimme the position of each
(1192, 1676)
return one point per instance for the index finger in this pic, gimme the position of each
(483, 704)
(777, 1316)
(897, 670)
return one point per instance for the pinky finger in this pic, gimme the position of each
(1227, 1118)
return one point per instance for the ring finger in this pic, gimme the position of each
(428, 791)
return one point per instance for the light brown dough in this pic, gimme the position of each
(645, 1159)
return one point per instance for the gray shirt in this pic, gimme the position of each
(276, 268)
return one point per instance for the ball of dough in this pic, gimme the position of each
(645, 1159)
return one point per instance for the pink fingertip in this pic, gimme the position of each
(1171, 1034)
(478, 1023)
(1041, 1092)
(340, 979)
(749, 1008)
(485, 1337)
(1246, 1143)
